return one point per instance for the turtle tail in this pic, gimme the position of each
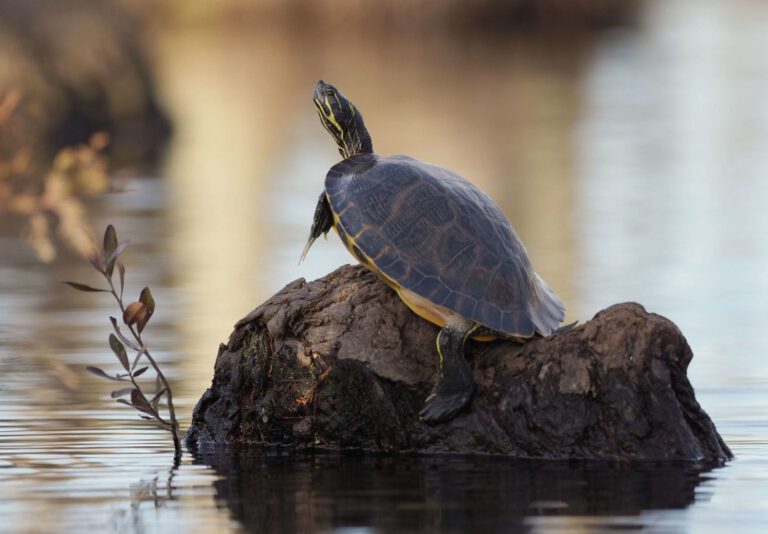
(547, 311)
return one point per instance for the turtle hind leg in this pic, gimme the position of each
(454, 386)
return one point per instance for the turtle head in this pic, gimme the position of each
(342, 120)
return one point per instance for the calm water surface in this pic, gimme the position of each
(634, 167)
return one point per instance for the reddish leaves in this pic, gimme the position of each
(102, 374)
(138, 313)
(83, 287)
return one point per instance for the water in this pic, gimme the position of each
(633, 166)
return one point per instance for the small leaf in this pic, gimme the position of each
(140, 372)
(121, 392)
(83, 287)
(119, 351)
(97, 372)
(154, 400)
(140, 403)
(136, 359)
(102, 374)
(146, 298)
(110, 244)
(135, 407)
(97, 260)
(110, 240)
(113, 258)
(121, 270)
(120, 335)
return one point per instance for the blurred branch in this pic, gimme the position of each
(50, 201)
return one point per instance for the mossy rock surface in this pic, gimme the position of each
(342, 363)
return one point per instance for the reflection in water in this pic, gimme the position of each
(675, 140)
(153, 492)
(296, 493)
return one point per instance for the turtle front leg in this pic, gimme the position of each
(454, 386)
(321, 224)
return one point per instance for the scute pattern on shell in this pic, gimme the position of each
(438, 235)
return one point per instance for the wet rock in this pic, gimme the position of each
(342, 363)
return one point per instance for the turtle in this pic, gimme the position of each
(439, 241)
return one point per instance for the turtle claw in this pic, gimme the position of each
(565, 328)
(440, 408)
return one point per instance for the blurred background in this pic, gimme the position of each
(627, 142)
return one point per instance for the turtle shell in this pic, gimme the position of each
(434, 233)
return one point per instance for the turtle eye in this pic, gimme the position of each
(328, 91)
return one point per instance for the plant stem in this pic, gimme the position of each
(174, 425)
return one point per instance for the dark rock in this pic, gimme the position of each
(342, 363)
